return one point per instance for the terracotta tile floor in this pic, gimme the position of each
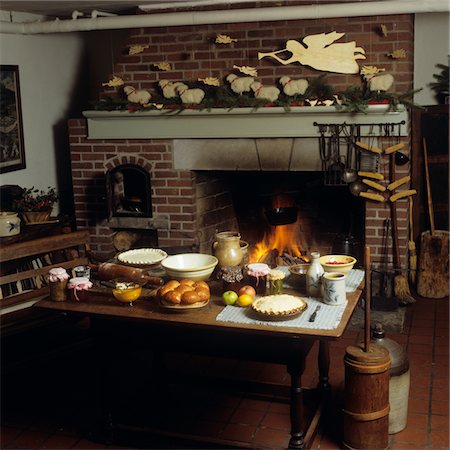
(50, 406)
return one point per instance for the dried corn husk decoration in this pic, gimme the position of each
(248, 70)
(136, 49)
(398, 183)
(398, 54)
(164, 66)
(383, 30)
(114, 82)
(210, 81)
(403, 194)
(372, 196)
(374, 175)
(224, 39)
(374, 185)
(368, 147)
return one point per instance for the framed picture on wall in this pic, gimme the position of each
(12, 152)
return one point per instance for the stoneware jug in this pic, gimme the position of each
(227, 248)
(9, 224)
(314, 276)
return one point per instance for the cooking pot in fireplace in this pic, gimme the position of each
(282, 216)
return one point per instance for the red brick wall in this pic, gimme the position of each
(193, 54)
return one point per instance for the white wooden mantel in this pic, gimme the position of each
(236, 123)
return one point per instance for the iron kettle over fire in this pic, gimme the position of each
(347, 245)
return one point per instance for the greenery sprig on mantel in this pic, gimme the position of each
(355, 99)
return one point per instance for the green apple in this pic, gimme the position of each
(229, 297)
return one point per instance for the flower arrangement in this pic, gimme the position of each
(36, 200)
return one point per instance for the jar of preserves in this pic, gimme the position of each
(57, 282)
(78, 288)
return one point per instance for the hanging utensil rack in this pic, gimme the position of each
(335, 136)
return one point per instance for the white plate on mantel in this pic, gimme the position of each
(142, 256)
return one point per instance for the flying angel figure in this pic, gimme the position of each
(320, 52)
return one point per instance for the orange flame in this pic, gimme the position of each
(282, 238)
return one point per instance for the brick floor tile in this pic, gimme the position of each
(439, 438)
(254, 403)
(239, 432)
(439, 422)
(247, 416)
(268, 437)
(440, 408)
(412, 435)
(418, 406)
(417, 421)
(277, 421)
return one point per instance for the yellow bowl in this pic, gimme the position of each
(129, 294)
(337, 263)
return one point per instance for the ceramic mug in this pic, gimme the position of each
(333, 286)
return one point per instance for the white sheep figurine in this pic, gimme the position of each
(381, 82)
(191, 96)
(169, 88)
(293, 87)
(378, 83)
(239, 84)
(270, 93)
(137, 95)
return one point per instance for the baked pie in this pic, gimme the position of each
(279, 305)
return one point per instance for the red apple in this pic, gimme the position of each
(249, 290)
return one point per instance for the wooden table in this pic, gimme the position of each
(198, 331)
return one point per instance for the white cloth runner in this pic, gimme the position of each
(327, 318)
(353, 280)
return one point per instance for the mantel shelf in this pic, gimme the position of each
(236, 123)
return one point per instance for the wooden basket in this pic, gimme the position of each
(36, 216)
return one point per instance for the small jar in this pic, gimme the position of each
(231, 278)
(275, 282)
(57, 282)
(78, 288)
(257, 276)
(9, 224)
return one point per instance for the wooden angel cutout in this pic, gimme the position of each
(320, 52)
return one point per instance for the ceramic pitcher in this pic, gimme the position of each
(227, 248)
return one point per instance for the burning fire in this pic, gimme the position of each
(282, 238)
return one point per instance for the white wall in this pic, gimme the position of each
(49, 67)
(432, 46)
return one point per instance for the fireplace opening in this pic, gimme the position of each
(129, 191)
(327, 217)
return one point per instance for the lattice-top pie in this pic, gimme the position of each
(279, 305)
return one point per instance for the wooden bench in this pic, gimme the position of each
(24, 266)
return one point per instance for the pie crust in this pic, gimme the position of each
(279, 305)
(142, 256)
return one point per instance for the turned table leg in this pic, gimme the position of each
(324, 365)
(296, 406)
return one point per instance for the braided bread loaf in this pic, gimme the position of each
(184, 292)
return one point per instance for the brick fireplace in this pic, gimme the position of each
(192, 199)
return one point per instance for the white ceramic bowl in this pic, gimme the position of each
(194, 266)
(337, 263)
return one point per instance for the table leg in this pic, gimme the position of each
(295, 370)
(324, 365)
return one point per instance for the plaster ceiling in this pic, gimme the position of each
(65, 8)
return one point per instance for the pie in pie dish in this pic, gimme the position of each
(279, 305)
(142, 256)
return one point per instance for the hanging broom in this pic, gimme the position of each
(401, 286)
(412, 247)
